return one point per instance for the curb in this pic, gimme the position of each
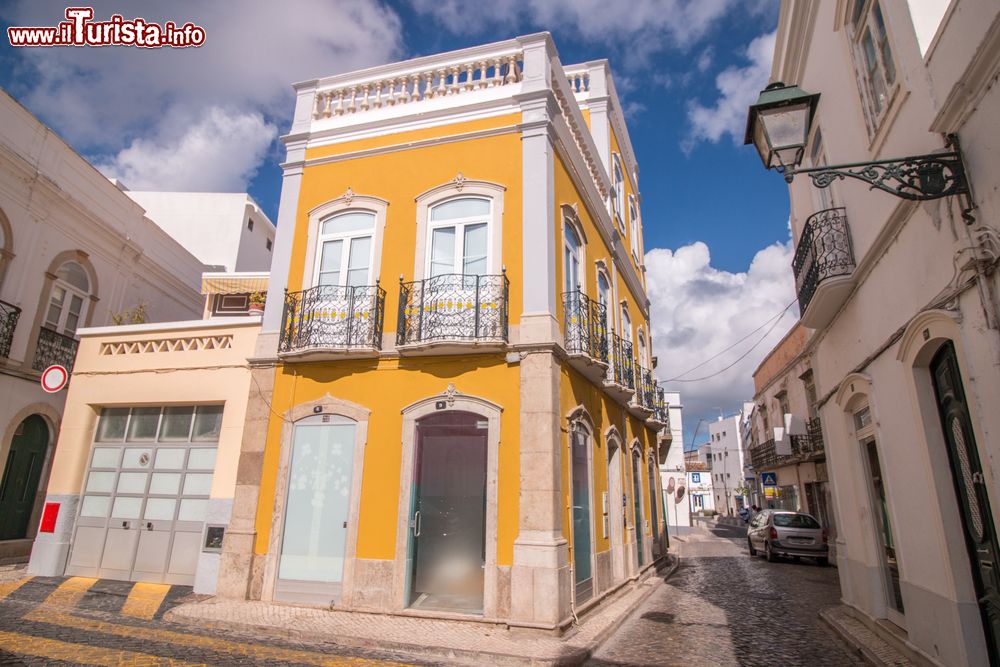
(569, 655)
(890, 657)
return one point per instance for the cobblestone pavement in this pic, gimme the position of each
(80, 621)
(722, 607)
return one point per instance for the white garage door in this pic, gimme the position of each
(146, 493)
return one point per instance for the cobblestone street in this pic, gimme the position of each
(722, 607)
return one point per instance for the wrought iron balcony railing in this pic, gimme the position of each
(453, 307)
(645, 391)
(661, 411)
(586, 326)
(824, 251)
(54, 348)
(622, 369)
(8, 322)
(804, 447)
(332, 317)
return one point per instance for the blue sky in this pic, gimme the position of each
(716, 230)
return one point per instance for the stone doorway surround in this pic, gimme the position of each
(496, 584)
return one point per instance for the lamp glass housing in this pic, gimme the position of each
(779, 123)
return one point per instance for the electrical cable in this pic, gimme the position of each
(723, 351)
(742, 356)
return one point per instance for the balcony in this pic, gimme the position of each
(8, 322)
(620, 377)
(586, 334)
(54, 348)
(805, 448)
(643, 402)
(661, 411)
(823, 266)
(330, 321)
(453, 312)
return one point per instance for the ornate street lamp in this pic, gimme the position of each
(779, 124)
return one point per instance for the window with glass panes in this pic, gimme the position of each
(459, 237)
(618, 198)
(345, 249)
(68, 299)
(873, 59)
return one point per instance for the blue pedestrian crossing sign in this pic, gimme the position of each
(769, 478)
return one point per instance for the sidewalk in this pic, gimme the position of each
(454, 641)
(870, 645)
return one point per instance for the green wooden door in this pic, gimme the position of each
(20, 477)
(970, 488)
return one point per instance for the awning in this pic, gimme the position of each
(233, 283)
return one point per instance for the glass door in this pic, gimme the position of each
(314, 538)
(884, 533)
(447, 545)
(582, 552)
(637, 500)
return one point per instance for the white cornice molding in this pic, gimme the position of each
(970, 88)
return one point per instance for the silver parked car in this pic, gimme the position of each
(780, 533)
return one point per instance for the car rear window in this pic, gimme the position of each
(795, 521)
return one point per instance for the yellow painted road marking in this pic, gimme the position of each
(53, 649)
(253, 651)
(8, 587)
(70, 592)
(144, 599)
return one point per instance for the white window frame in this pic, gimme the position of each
(579, 254)
(609, 309)
(345, 251)
(458, 188)
(626, 332)
(640, 343)
(349, 201)
(460, 225)
(633, 221)
(823, 198)
(70, 291)
(618, 198)
(875, 110)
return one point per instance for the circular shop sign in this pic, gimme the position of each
(54, 378)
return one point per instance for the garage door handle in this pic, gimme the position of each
(149, 525)
(125, 525)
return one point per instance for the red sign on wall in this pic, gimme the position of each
(49, 515)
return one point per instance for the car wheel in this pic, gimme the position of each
(753, 552)
(822, 561)
(770, 555)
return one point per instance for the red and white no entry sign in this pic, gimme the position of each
(54, 378)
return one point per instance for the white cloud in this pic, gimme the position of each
(698, 310)
(118, 102)
(220, 153)
(648, 24)
(738, 88)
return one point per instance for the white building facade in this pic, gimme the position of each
(726, 459)
(226, 230)
(74, 252)
(673, 477)
(903, 298)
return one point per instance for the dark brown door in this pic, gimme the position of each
(19, 483)
(967, 473)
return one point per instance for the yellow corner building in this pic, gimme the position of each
(451, 408)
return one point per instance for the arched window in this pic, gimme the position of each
(459, 237)
(68, 299)
(604, 298)
(618, 194)
(572, 258)
(345, 248)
